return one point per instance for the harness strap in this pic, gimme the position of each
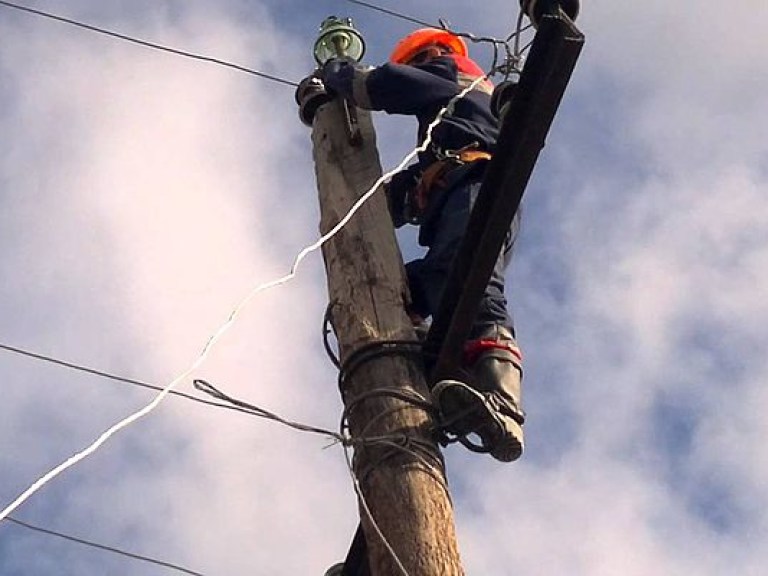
(467, 156)
(434, 175)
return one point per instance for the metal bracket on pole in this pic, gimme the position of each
(525, 125)
(353, 128)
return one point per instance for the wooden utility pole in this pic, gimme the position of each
(405, 489)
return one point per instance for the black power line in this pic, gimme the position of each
(146, 43)
(121, 379)
(392, 13)
(111, 549)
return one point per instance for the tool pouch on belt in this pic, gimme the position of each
(434, 176)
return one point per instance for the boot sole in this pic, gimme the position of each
(510, 446)
(466, 411)
(460, 407)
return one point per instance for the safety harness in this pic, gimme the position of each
(434, 176)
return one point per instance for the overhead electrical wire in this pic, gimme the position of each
(111, 549)
(392, 13)
(446, 25)
(116, 378)
(147, 44)
(209, 59)
(512, 55)
(79, 367)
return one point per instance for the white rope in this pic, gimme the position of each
(106, 435)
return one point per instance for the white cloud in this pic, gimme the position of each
(143, 195)
(642, 311)
(149, 195)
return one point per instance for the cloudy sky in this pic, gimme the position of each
(143, 195)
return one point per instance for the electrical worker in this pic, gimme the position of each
(427, 69)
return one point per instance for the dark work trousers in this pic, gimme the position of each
(427, 276)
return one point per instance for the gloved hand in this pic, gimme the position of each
(310, 95)
(337, 75)
(399, 191)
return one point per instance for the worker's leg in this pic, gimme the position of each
(427, 276)
(488, 404)
(496, 365)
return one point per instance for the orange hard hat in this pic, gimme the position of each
(416, 41)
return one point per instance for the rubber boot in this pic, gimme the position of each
(499, 378)
(489, 403)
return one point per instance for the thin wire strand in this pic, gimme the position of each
(111, 549)
(369, 514)
(121, 379)
(391, 13)
(513, 55)
(148, 44)
(208, 388)
(326, 331)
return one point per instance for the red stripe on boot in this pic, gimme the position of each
(474, 348)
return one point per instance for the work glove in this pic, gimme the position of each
(310, 95)
(337, 75)
(400, 191)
